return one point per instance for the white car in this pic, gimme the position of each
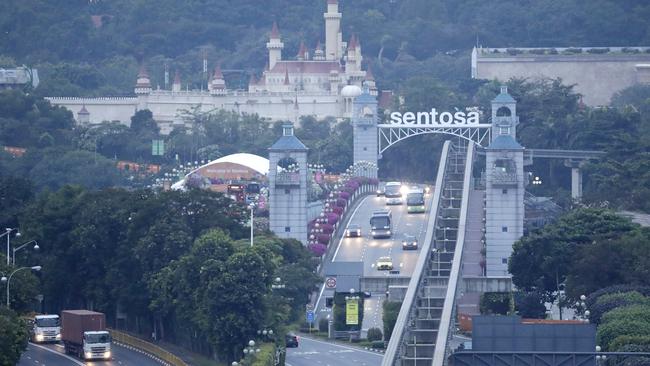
(353, 230)
(384, 263)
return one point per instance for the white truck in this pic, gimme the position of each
(46, 328)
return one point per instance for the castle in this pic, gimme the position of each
(321, 83)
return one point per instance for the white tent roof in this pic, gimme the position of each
(255, 162)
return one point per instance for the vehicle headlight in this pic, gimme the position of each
(373, 233)
(39, 337)
(388, 232)
(107, 354)
(89, 355)
(58, 336)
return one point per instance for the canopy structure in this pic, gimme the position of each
(227, 169)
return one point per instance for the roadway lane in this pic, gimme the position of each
(368, 249)
(53, 355)
(315, 352)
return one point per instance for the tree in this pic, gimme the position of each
(530, 305)
(13, 338)
(391, 311)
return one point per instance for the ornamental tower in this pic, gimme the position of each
(332, 30)
(143, 88)
(364, 125)
(274, 46)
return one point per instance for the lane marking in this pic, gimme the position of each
(338, 345)
(346, 227)
(57, 353)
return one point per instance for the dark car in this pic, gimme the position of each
(410, 242)
(291, 340)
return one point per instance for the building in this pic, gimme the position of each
(18, 78)
(598, 73)
(309, 84)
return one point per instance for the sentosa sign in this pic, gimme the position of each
(433, 118)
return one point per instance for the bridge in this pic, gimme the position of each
(465, 237)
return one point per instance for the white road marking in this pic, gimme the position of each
(340, 346)
(57, 353)
(343, 236)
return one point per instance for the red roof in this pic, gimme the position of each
(369, 75)
(217, 73)
(143, 72)
(352, 45)
(318, 46)
(306, 67)
(385, 99)
(275, 33)
(302, 50)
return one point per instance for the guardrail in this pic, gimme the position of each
(150, 349)
(407, 305)
(440, 352)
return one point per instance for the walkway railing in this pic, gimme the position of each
(151, 349)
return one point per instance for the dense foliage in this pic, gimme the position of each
(170, 262)
(13, 338)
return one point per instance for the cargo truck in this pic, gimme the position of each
(46, 328)
(84, 334)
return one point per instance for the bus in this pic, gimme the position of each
(381, 224)
(415, 200)
(393, 193)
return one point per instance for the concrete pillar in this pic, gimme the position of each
(576, 183)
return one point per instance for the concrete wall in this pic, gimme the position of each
(597, 77)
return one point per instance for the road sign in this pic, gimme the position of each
(310, 316)
(352, 312)
(330, 282)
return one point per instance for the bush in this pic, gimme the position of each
(573, 50)
(537, 51)
(391, 310)
(594, 296)
(612, 301)
(633, 312)
(374, 334)
(608, 332)
(598, 50)
(513, 51)
(13, 337)
(497, 303)
(323, 325)
(624, 341)
(378, 345)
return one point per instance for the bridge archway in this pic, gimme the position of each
(389, 135)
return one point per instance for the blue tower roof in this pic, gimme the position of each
(504, 142)
(504, 97)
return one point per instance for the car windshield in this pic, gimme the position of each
(409, 238)
(384, 259)
(353, 227)
(98, 338)
(47, 322)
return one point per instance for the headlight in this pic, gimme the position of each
(373, 233)
(58, 336)
(39, 338)
(388, 232)
(89, 355)
(107, 354)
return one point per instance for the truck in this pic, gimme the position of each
(46, 328)
(380, 224)
(84, 334)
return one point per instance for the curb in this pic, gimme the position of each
(162, 362)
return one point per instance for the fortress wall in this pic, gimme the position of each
(598, 78)
(100, 109)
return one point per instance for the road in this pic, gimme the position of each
(316, 352)
(52, 355)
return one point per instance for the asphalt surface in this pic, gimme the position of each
(52, 355)
(312, 352)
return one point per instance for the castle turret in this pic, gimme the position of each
(218, 85)
(319, 55)
(332, 30)
(369, 82)
(351, 58)
(302, 52)
(176, 86)
(274, 46)
(143, 87)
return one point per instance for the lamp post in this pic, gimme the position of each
(250, 350)
(8, 280)
(252, 207)
(7, 232)
(13, 256)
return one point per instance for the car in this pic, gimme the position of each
(353, 230)
(384, 264)
(394, 201)
(409, 242)
(291, 340)
(380, 190)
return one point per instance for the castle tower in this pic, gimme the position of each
(319, 55)
(351, 58)
(504, 189)
(302, 52)
(369, 81)
(143, 88)
(288, 186)
(274, 46)
(364, 124)
(176, 86)
(218, 84)
(83, 116)
(332, 30)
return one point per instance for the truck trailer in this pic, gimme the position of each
(84, 334)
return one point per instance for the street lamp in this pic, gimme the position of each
(251, 351)
(8, 280)
(13, 257)
(7, 232)
(252, 208)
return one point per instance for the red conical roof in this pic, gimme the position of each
(83, 110)
(286, 76)
(143, 72)
(302, 50)
(352, 45)
(217, 73)
(275, 32)
(369, 75)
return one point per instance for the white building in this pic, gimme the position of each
(308, 85)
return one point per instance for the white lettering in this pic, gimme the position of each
(472, 118)
(408, 118)
(396, 118)
(446, 118)
(459, 118)
(424, 115)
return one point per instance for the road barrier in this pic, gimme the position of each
(148, 348)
